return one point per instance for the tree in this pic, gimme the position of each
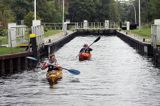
(93, 10)
(28, 19)
(82, 10)
(154, 9)
(6, 14)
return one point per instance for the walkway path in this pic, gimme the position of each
(56, 37)
(137, 37)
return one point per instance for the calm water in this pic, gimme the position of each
(115, 76)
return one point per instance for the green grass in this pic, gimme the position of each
(6, 50)
(51, 32)
(145, 32)
(4, 39)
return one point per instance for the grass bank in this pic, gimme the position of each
(7, 50)
(4, 40)
(51, 32)
(144, 32)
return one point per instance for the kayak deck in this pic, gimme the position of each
(84, 56)
(54, 76)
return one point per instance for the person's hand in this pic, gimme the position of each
(58, 66)
(44, 65)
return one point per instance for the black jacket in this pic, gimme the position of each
(86, 50)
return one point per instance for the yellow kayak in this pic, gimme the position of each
(54, 76)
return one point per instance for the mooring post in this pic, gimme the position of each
(33, 42)
(2, 68)
(11, 66)
(18, 64)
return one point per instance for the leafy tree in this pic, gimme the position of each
(154, 9)
(82, 10)
(28, 19)
(6, 14)
(21, 8)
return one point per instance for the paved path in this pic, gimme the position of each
(137, 37)
(56, 37)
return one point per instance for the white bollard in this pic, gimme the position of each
(12, 34)
(36, 22)
(85, 24)
(128, 25)
(106, 24)
(157, 22)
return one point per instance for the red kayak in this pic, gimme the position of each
(84, 56)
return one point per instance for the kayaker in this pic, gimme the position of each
(51, 65)
(86, 49)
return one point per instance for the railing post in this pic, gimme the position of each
(2, 68)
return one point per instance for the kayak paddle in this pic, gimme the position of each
(72, 71)
(95, 41)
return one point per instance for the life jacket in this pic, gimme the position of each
(50, 66)
(85, 50)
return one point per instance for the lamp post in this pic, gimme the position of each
(135, 15)
(139, 14)
(134, 8)
(63, 16)
(35, 11)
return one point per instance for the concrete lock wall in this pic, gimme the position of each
(10, 64)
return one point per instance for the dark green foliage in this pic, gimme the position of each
(93, 10)
(3, 32)
(46, 10)
(28, 19)
(78, 10)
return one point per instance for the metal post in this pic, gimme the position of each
(139, 14)
(63, 16)
(33, 42)
(135, 15)
(35, 12)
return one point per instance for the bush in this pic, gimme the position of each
(3, 32)
(28, 19)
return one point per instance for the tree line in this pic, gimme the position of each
(150, 10)
(16, 10)
(76, 11)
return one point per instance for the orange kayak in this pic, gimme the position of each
(84, 56)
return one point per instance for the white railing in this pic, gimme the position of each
(17, 34)
(155, 31)
(81, 25)
(39, 31)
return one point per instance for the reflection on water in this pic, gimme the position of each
(115, 76)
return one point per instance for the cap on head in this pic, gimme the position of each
(85, 45)
(32, 35)
(51, 55)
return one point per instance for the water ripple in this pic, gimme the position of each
(115, 76)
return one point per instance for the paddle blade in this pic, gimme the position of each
(73, 71)
(31, 58)
(97, 39)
